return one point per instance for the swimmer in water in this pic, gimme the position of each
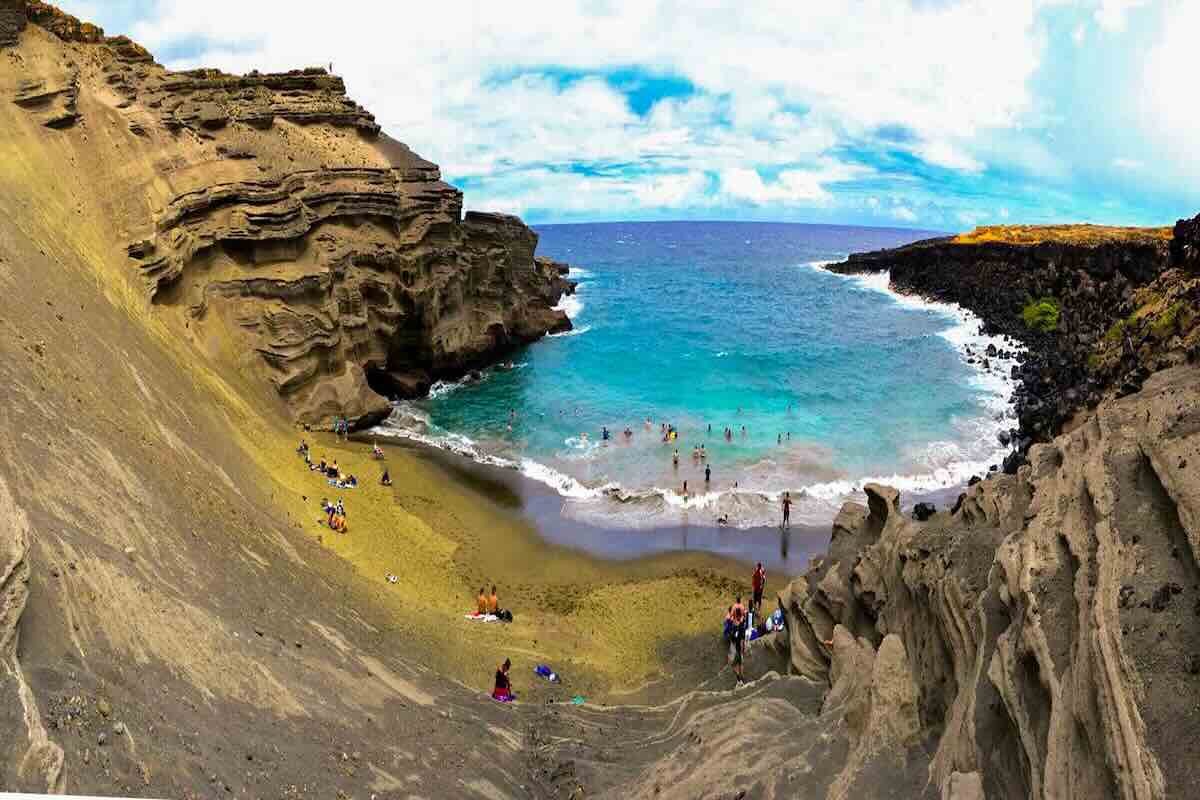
(675, 458)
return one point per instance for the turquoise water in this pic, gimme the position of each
(835, 380)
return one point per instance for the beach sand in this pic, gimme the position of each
(637, 626)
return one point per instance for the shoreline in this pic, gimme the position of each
(531, 484)
(540, 506)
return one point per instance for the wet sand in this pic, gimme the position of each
(785, 551)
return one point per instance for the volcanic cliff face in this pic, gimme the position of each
(275, 226)
(1051, 621)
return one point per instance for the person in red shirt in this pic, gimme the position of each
(759, 582)
(503, 691)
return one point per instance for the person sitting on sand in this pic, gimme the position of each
(341, 508)
(303, 448)
(386, 480)
(481, 602)
(493, 602)
(503, 690)
(376, 451)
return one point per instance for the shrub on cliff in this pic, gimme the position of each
(1041, 314)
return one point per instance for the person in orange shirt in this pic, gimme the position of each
(481, 602)
(493, 603)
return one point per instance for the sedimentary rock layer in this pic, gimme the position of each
(277, 227)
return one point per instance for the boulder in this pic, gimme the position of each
(923, 511)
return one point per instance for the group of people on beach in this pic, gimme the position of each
(329, 470)
(487, 604)
(737, 622)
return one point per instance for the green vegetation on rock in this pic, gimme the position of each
(1041, 314)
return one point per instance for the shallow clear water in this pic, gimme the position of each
(729, 325)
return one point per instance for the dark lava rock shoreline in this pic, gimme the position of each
(1093, 285)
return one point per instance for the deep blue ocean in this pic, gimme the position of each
(825, 381)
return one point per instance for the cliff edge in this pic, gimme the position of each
(271, 223)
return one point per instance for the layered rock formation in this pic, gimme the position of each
(1050, 622)
(278, 228)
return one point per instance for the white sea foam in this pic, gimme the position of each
(409, 422)
(443, 388)
(579, 272)
(573, 332)
(571, 304)
(949, 463)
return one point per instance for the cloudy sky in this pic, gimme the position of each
(913, 113)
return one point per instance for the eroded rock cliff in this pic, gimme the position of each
(1050, 622)
(270, 221)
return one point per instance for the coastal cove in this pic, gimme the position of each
(825, 383)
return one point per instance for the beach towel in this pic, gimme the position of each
(481, 617)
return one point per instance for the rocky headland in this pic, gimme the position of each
(274, 217)
(1058, 291)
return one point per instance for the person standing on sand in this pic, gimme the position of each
(503, 690)
(787, 508)
(759, 582)
(707, 474)
(737, 616)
